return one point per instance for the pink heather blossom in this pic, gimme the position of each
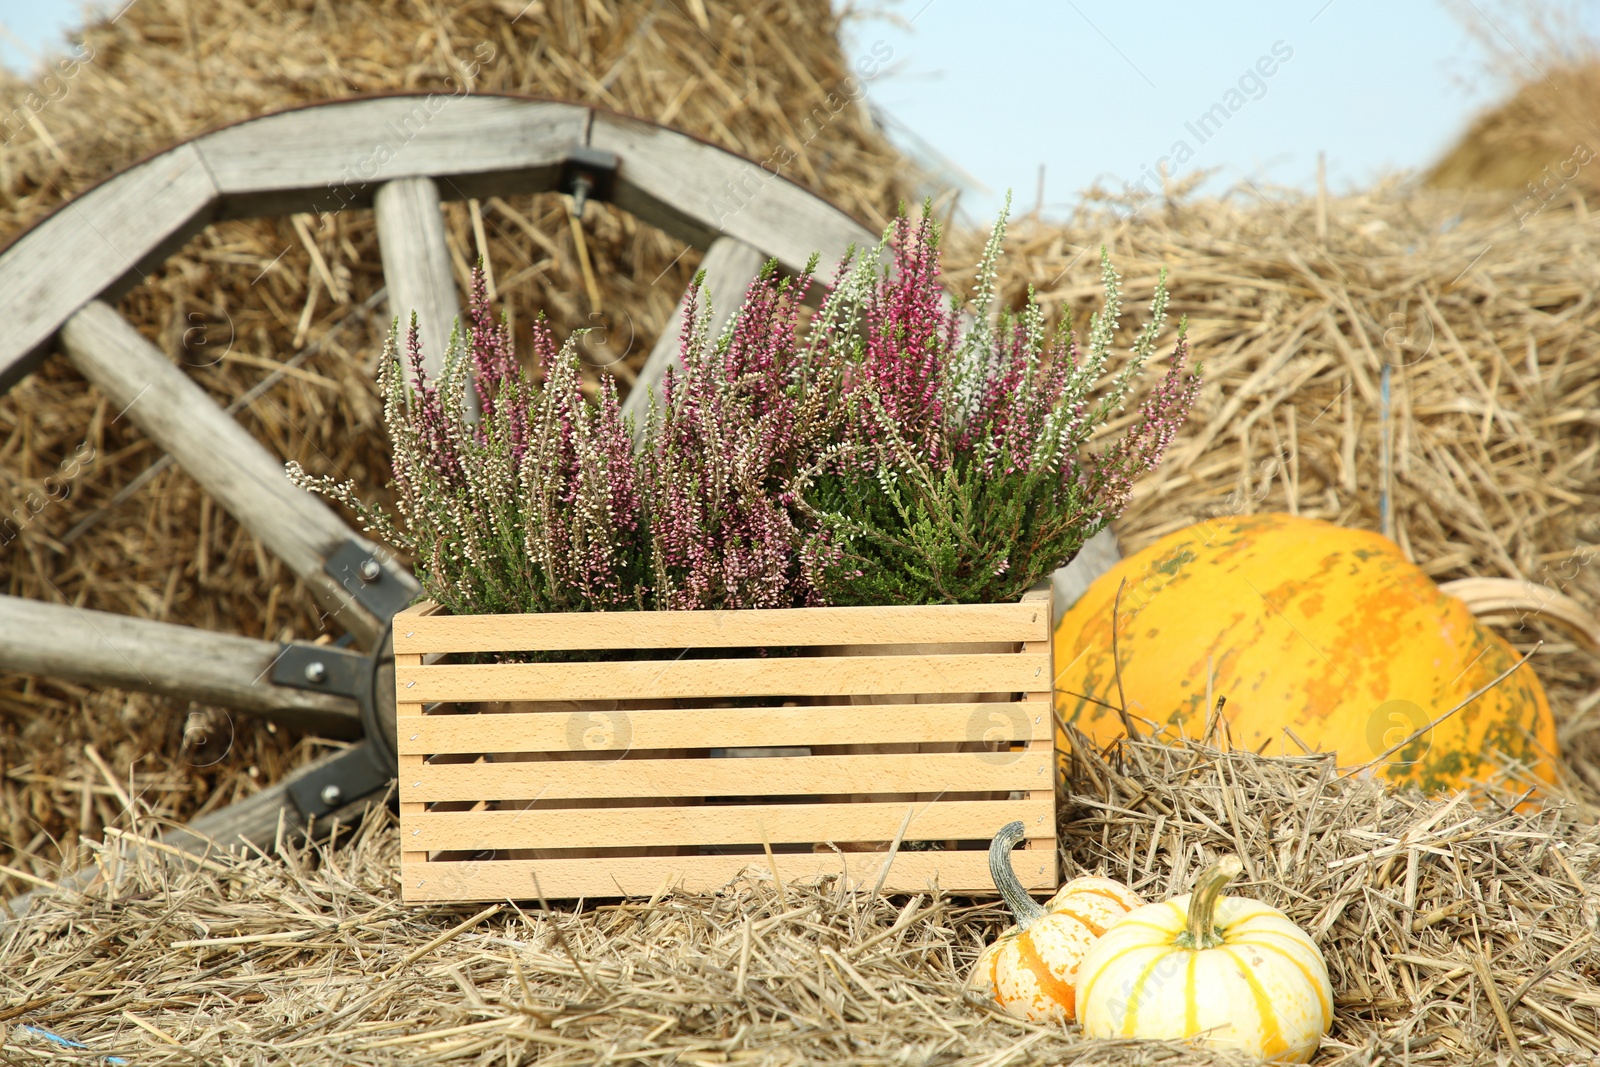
(882, 453)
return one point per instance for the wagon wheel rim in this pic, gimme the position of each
(391, 154)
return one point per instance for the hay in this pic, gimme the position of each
(1538, 143)
(240, 318)
(1538, 146)
(1454, 934)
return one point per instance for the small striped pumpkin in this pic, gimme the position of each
(1030, 970)
(1226, 972)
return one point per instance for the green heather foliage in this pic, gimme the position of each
(963, 476)
(900, 448)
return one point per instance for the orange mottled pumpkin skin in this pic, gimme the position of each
(1327, 631)
(1030, 973)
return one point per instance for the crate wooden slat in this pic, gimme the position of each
(888, 724)
(917, 772)
(602, 777)
(666, 679)
(409, 766)
(911, 872)
(717, 824)
(1025, 621)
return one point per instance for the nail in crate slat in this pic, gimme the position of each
(606, 768)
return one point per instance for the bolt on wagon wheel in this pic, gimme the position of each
(58, 279)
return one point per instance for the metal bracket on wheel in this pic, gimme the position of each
(322, 668)
(368, 581)
(349, 777)
(367, 766)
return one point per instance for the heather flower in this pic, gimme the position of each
(898, 448)
(736, 425)
(963, 474)
(532, 506)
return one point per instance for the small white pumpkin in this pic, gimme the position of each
(1030, 968)
(1227, 972)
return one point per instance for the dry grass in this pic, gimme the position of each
(1454, 933)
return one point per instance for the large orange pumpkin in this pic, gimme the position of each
(1329, 632)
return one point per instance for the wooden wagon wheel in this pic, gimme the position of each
(398, 155)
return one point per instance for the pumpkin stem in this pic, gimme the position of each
(1024, 907)
(1201, 930)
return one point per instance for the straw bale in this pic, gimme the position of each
(1539, 144)
(1456, 932)
(1537, 141)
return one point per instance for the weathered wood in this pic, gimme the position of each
(920, 772)
(103, 648)
(255, 819)
(722, 824)
(889, 724)
(333, 156)
(97, 246)
(674, 679)
(217, 452)
(698, 192)
(416, 264)
(730, 266)
(720, 629)
(909, 872)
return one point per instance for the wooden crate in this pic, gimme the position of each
(766, 811)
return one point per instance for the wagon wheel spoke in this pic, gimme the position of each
(730, 266)
(416, 264)
(104, 648)
(234, 468)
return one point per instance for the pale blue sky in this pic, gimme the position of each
(1101, 90)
